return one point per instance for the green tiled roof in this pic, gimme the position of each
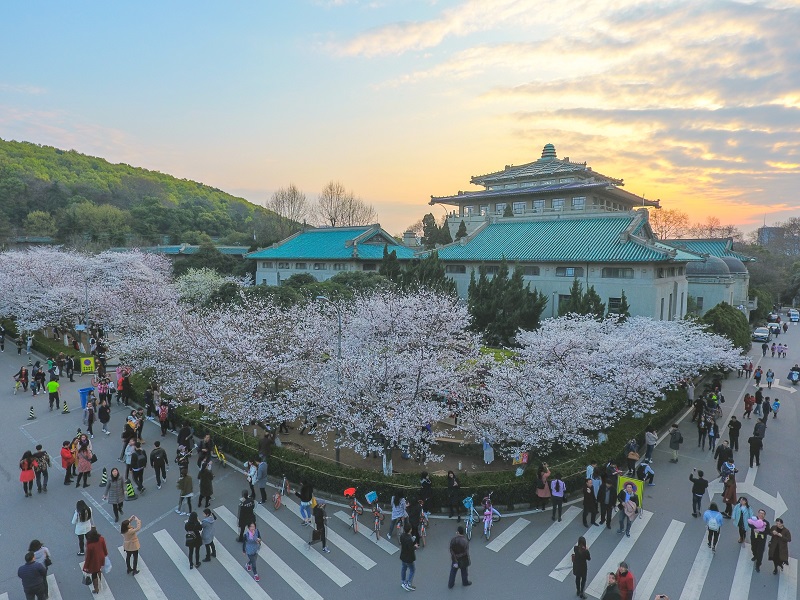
(578, 240)
(335, 243)
(718, 247)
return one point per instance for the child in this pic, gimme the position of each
(775, 406)
(487, 505)
(487, 519)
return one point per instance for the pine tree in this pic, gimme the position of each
(592, 304)
(390, 266)
(508, 211)
(428, 273)
(430, 231)
(575, 303)
(462, 230)
(624, 308)
(444, 235)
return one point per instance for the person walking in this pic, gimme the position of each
(209, 524)
(34, 578)
(626, 583)
(589, 502)
(26, 473)
(130, 542)
(96, 554)
(628, 509)
(319, 524)
(675, 441)
(713, 434)
(605, 498)
(41, 554)
(729, 493)
(453, 491)
(702, 432)
(542, 487)
(741, 514)
(756, 444)
(757, 375)
(580, 566)
(246, 513)
(194, 539)
(749, 403)
(138, 464)
(650, 440)
(557, 490)
(713, 519)
(759, 527)
(159, 461)
(631, 452)
(185, 489)
(206, 478)
(52, 391)
(204, 450)
(163, 417)
(734, 426)
(250, 545)
(459, 558)
(115, 492)
(251, 466)
(104, 416)
(408, 556)
(84, 464)
(779, 545)
(261, 480)
(305, 494)
(723, 454)
(82, 519)
(699, 486)
(776, 406)
(770, 376)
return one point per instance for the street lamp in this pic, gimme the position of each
(338, 362)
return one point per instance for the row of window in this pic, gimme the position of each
(318, 266)
(556, 204)
(663, 272)
(532, 183)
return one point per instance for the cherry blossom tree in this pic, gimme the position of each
(196, 286)
(576, 376)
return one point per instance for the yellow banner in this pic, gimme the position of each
(87, 364)
(638, 487)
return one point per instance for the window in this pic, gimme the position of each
(320, 267)
(266, 265)
(566, 180)
(549, 182)
(499, 208)
(369, 267)
(538, 206)
(530, 271)
(484, 210)
(300, 266)
(579, 203)
(558, 204)
(491, 269)
(468, 210)
(680, 270)
(661, 314)
(569, 271)
(457, 269)
(699, 303)
(519, 207)
(283, 265)
(617, 273)
(339, 267)
(660, 273)
(614, 304)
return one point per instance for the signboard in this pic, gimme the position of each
(87, 364)
(638, 487)
(521, 459)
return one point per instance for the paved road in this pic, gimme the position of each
(527, 556)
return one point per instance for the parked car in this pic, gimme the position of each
(773, 317)
(762, 334)
(794, 315)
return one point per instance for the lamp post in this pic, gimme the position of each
(338, 360)
(553, 307)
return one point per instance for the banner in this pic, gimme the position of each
(87, 364)
(520, 459)
(638, 487)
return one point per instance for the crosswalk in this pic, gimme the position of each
(291, 568)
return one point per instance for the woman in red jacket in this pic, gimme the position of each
(66, 462)
(96, 553)
(26, 473)
(625, 582)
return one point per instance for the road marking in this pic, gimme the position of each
(337, 540)
(750, 478)
(179, 557)
(367, 533)
(550, 534)
(105, 591)
(4, 596)
(740, 588)
(52, 588)
(146, 581)
(693, 587)
(565, 566)
(98, 507)
(303, 547)
(787, 584)
(509, 534)
(655, 568)
(618, 554)
(284, 571)
(239, 574)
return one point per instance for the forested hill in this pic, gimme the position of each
(81, 199)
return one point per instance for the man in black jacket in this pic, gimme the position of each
(734, 427)
(756, 444)
(723, 454)
(159, 460)
(408, 555)
(699, 486)
(459, 558)
(589, 503)
(605, 498)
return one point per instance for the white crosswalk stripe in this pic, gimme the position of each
(302, 546)
(179, 557)
(275, 562)
(250, 586)
(336, 540)
(787, 584)
(499, 542)
(655, 568)
(105, 591)
(146, 581)
(740, 588)
(693, 587)
(544, 540)
(564, 568)
(618, 554)
(52, 587)
(4, 596)
(383, 543)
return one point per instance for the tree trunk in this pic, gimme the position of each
(387, 461)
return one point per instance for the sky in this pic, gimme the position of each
(695, 103)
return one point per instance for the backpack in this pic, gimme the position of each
(713, 525)
(680, 437)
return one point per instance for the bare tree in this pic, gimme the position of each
(338, 207)
(292, 208)
(416, 228)
(668, 224)
(713, 228)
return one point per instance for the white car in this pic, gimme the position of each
(762, 334)
(794, 315)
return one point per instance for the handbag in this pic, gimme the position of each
(633, 455)
(47, 561)
(93, 459)
(107, 565)
(87, 579)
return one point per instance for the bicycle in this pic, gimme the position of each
(356, 508)
(472, 516)
(487, 523)
(377, 513)
(282, 491)
(220, 456)
(423, 529)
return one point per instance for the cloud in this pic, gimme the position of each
(22, 88)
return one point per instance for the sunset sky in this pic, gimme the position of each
(695, 102)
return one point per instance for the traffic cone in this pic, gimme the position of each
(104, 478)
(66, 408)
(31, 416)
(130, 493)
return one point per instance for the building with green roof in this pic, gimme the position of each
(326, 251)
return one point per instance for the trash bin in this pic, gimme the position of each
(84, 392)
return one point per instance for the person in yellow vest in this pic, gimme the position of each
(52, 389)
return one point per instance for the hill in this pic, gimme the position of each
(80, 199)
